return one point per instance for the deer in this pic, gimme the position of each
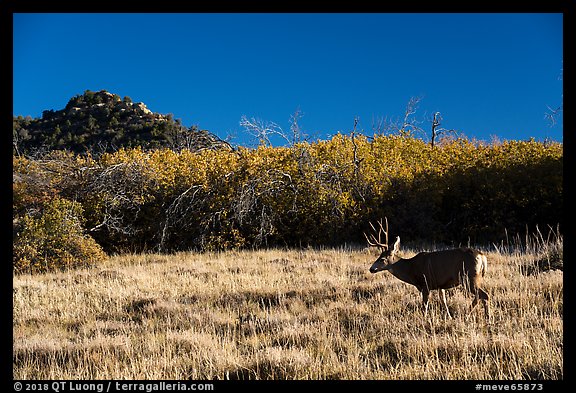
(428, 271)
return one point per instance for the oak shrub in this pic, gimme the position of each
(321, 193)
(53, 239)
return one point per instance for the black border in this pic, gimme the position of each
(567, 7)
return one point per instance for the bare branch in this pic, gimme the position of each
(410, 124)
(356, 161)
(178, 212)
(553, 114)
(297, 134)
(262, 130)
(436, 121)
(437, 131)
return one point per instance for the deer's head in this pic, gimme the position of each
(387, 255)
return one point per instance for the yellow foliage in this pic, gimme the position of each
(311, 193)
(54, 240)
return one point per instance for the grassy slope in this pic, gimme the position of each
(282, 315)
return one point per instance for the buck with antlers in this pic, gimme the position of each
(432, 270)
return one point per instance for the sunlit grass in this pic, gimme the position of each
(281, 314)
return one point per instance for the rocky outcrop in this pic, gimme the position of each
(101, 121)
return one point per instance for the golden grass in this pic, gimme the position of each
(280, 314)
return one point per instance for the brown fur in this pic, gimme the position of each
(437, 270)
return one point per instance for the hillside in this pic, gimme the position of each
(101, 121)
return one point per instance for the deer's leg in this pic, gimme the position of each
(425, 297)
(484, 297)
(480, 294)
(443, 294)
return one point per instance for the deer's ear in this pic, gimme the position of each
(397, 244)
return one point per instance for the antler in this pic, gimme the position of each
(378, 243)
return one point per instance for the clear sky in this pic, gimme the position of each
(488, 74)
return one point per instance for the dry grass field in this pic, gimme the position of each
(281, 314)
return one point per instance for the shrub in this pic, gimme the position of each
(320, 193)
(53, 239)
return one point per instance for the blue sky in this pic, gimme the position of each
(488, 74)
